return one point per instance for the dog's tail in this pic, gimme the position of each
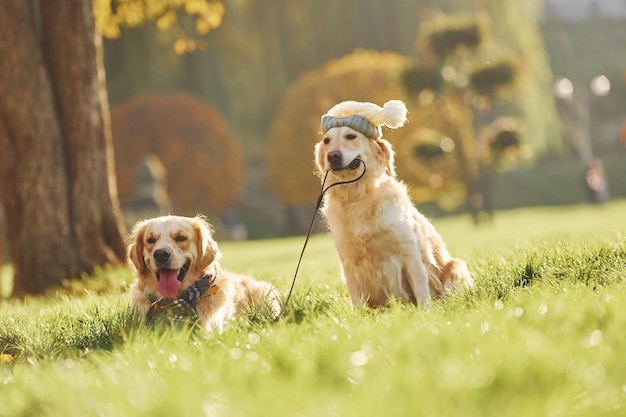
(453, 275)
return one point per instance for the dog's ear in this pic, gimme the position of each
(135, 250)
(208, 251)
(384, 152)
(319, 159)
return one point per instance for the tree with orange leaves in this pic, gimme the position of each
(202, 158)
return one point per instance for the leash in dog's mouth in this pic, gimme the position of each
(352, 166)
(356, 162)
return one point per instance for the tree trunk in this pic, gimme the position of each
(57, 181)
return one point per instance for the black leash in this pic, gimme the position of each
(317, 207)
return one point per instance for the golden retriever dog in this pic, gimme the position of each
(388, 250)
(178, 274)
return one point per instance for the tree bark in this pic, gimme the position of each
(57, 181)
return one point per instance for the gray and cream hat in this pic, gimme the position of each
(366, 118)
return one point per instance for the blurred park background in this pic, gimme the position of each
(253, 89)
(215, 107)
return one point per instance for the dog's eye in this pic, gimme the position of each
(350, 136)
(151, 240)
(326, 141)
(180, 238)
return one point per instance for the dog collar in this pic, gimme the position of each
(183, 306)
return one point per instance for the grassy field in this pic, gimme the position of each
(541, 334)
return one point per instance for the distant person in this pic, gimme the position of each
(150, 197)
(595, 182)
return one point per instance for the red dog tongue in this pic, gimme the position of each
(168, 284)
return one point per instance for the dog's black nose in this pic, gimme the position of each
(334, 157)
(162, 255)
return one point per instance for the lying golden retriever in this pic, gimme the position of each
(388, 249)
(178, 274)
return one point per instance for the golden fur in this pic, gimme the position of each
(190, 240)
(388, 249)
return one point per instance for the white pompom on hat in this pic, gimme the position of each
(367, 118)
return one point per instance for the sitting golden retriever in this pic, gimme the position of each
(388, 249)
(178, 274)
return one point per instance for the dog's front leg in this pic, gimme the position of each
(417, 276)
(356, 290)
(141, 303)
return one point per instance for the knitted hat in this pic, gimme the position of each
(367, 118)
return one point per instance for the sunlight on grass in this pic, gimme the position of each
(526, 227)
(541, 334)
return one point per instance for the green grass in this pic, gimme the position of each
(541, 334)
